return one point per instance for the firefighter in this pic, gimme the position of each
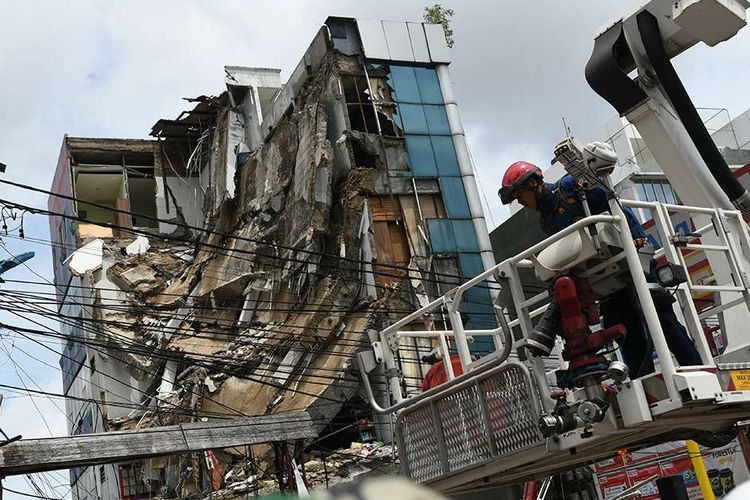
(559, 206)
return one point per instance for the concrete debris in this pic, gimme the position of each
(210, 384)
(87, 258)
(139, 246)
(244, 485)
(147, 273)
(324, 470)
(346, 464)
(138, 278)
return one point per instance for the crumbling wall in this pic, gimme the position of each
(292, 248)
(266, 310)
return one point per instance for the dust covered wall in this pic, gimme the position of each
(283, 270)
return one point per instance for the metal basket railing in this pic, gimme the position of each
(492, 414)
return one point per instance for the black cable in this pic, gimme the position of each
(138, 406)
(166, 353)
(123, 349)
(5, 488)
(203, 230)
(259, 334)
(220, 251)
(232, 369)
(228, 422)
(263, 257)
(356, 310)
(235, 369)
(146, 350)
(117, 336)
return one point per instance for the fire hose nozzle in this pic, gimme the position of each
(618, 371)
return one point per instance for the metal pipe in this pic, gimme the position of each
(368, 389)
(465, 166)
(633, 489)
(449, 333)
(533, 314)
(450, 387)
(717, 309)
(687, 305)
(507, 334)
(457, 325)
(391, 370)
(708, 248)
(415, 315)
(447, 363)
(416, 197)
(646, 301)
(700, 470)
(524, 322)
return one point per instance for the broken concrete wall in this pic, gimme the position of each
(264, 312)
(118, 328)
(179, 195)
(185, 177)
(251, 94)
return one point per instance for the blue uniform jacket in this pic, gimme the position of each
(560, 207)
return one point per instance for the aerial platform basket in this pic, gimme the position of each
(487, 426)
(489, 413)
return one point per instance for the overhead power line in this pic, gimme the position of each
(337, 257)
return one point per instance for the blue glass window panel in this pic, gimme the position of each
(454, 197)
(480, 293)
(477, 306)
(421, 159)
(71, 361)
(404, 83)
(466, 237)
(413, 119)
(650, 192)
(669, 192)
(441, 235)
(397, 120)
(481, 345)
(640, 191)
(480, 317)
(471, 265)
(477, 303)
(481, 314)
(437, 120)
(445, 155)
(429, 86)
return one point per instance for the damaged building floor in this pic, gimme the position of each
(264, 312)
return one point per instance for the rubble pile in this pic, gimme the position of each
(344, 465)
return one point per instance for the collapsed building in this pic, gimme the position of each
(234, 263)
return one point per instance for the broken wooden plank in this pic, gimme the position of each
(39, 455)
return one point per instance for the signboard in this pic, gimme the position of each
(726, 467)
(741, 379)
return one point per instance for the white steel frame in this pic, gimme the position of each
(735, 243)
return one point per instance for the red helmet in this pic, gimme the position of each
(515, 177)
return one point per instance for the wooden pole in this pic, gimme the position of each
(39, 455)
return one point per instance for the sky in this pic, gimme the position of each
(111, 69)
